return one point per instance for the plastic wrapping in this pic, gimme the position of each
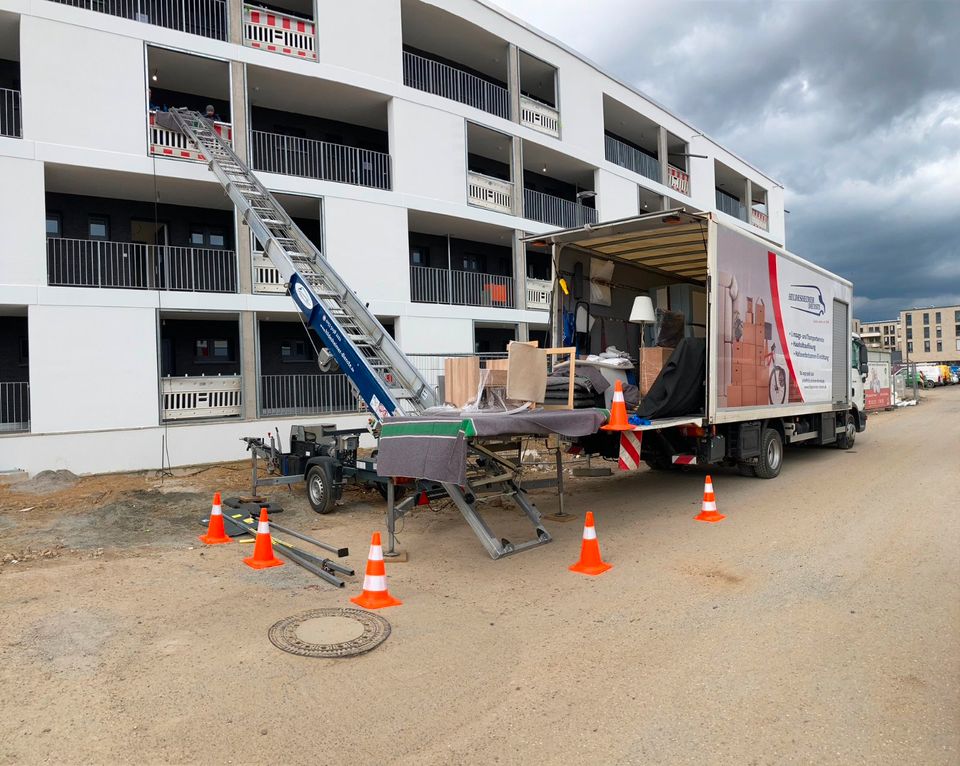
(670, 328)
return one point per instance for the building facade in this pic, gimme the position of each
(931, 334)
(414, 143)
(883, 335)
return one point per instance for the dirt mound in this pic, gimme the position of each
(46, 482)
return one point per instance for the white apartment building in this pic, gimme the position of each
(883, 335)
(414, 142)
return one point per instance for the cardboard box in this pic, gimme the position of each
(763, 396)
(748, 396)
(761, 376)
(733, 396)
(752, 334)
(651, 362)
(736, 374)
(760, 310)
(738, 349)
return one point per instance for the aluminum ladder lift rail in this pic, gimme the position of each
(382, 374)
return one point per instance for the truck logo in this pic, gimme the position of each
(303, 296)
(807, 298)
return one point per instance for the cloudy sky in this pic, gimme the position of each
(853, 106)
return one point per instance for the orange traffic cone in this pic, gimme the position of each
(618, 411)
(375, 594)
(590, 562)
(215, 532)
(263, 557)
(708, 511)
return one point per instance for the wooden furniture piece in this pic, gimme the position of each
(571, 353)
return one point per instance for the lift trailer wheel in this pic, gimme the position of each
(319, 491)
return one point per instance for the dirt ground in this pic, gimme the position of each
(819, 623)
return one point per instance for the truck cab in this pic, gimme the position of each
(858, 376)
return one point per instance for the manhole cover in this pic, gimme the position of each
(330, 633)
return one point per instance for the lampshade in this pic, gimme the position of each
(642, 312)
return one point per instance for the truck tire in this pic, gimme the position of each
(847, 438)
(319, 490)
(771, 454)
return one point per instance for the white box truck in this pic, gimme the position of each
(767, 351)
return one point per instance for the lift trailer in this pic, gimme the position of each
(382, 374)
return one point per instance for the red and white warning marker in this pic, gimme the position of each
(630, 450)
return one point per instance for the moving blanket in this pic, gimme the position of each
(679, 389)
(434, 447)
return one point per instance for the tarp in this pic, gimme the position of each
(679, 389)
(435, 446)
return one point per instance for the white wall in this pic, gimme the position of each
(22, 215)
(616, 197)
(92, 368)
(82, 87)
(428, 335)
(363, 35)
(368, 245)
(428, 151)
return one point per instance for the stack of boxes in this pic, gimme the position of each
(750, 382)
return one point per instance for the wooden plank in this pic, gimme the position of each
(461, 379)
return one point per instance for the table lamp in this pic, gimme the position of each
(642, 314)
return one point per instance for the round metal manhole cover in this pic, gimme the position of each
(330, 633)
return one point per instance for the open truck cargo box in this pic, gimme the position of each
(777, 327)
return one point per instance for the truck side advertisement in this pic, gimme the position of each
(775, 329)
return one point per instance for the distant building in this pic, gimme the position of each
(881, 335)
(930, 334)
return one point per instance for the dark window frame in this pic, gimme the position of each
(58, 217)
(296, 357)
(211, 344)
(98, 218)
(206, 233)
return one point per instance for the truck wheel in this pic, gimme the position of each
(771, 455)
(746, 469)
(319, 491)
(847, 438)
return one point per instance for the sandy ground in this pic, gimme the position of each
(819, 623)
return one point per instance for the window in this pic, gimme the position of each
(909, 319)
(956, 330)
(926, 346)
(939, 331)
(98, 227)
(418, 256)
(958, 344)
(926, 318)
(939, 345)
(909, 333)
(956, 317)
(295, 351)
(909, 348)
(53, 227)
(203, 237)
(926, 332)
(471, 263)
(937, 317)
(214, 350)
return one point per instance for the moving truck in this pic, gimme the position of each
(766, 337)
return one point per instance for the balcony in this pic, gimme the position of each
(539, 294)
(556, 211)
(456, 84)
(539, 116)
(193, 397)
(489, 192)
(307, 158)
(629, 157)
(14, 406)
(10, 124)
(207, 18)
(128, 265)
(308, 394)
(727, 203)
(460, 288)
(678, 180)
(759, 219)
(167, 141)
(277, 32)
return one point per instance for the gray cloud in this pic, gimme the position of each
(853, 106)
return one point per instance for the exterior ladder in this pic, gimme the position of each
(380, 371)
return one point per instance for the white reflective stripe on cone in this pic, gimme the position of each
(708, 487)
(263, 528)
(376, 553)
(709, 505)
(216, 511)
(589, 533)
(618, 396)
(374, 582)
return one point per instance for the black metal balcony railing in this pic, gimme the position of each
(14, 406)
(93, 263)
(447, 81)
(460, 288)
(555, 211)
(307, 394)
(304, 157)
(10, 125)
(631, 158)
(207, 18)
